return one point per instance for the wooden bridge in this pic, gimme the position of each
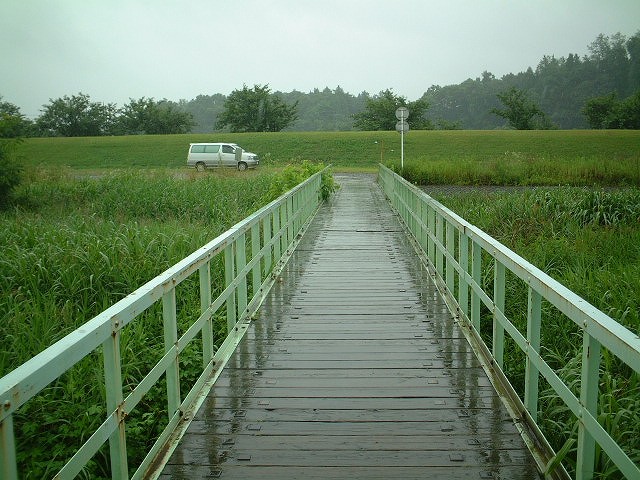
(354, 368)
(353, 350)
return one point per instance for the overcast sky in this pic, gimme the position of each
(115, 50)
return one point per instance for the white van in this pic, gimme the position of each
(207, 155)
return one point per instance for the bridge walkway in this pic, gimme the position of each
(354, 368)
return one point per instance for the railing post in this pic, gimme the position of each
(463, 260)
(255, 251)
(534, 319)
(205, 302)
(229, 276)
(498, 305)
(114, 397)
(290, 223)
(241, 262)
(276, 232)
(431, 228)
(476, 274)
(589, 400)
(423, 239)
(8, 465)
(413, 202)
(266, 240)
(440, 239)
(451, 249)
(170, 340)
(284, 238)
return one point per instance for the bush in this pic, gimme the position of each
(295, 174)
(10, 171)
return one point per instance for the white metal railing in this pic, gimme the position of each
(253, 250)
(454, 248)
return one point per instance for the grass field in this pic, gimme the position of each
(97, 217)
(462, 157)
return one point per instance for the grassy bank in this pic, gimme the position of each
(588, 240)
(519, 157)
(70, 247)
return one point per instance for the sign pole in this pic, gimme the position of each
(402, 126)
(402, 143)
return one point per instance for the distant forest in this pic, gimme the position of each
(560, 87)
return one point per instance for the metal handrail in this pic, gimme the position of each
(254, 250)
(453, 248)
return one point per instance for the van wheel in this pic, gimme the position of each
(242, 166)
(200, 167)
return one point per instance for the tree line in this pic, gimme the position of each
(599, 90)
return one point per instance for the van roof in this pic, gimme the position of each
(215, 143)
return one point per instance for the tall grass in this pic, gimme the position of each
(71, 247)
(588, 240)
(515, 168)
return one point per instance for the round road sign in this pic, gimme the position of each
(402, 113)
(402, 127)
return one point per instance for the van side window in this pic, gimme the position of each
(211, 148)
(228, 149)
(197, 149)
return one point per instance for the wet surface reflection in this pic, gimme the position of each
(354, 368)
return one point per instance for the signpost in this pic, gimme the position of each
(402, 113)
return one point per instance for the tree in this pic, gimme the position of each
(379, 112)
(608, 112)
(600, 111)
(521, 112)
(256, 110)
(76, 116)
(630, 112)
(146, 116)
(12, 123)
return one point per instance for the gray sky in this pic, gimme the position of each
(114, 50)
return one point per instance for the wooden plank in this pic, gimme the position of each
(328, 472)
(353, 368)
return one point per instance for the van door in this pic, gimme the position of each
(212, 155)
(228, 156)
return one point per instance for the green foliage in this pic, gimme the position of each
(146, 116)
(204, 110)
(12, 123)
(560, 86)
(76, 116)
(10, 171)
(600, 111)
(256, 110)
(608, 112)
(588, 241)
(380, 112)
(73, 246)
(520, 111)
(294, 174)
(325, 110)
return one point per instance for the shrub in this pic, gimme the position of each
(10, 171)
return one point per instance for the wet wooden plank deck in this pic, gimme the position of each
(353, 369)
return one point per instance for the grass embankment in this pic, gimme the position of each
(588, 240)
(71, 247)
(576, 157)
